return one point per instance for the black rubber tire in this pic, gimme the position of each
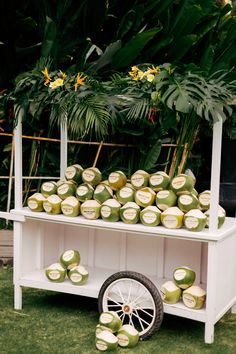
(148, 284)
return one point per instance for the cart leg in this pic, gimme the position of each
(18, 297)
(209, 332)
(233, 309)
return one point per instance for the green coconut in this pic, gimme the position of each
(74, 172)
(102, 192)
(66, 189)
(187, 202)
(100, 328)
(117, 180)
(159, 181)
(144, 196)
(183, 184)
(150, 216)
(221, 216)
(90, 209)
(106, 341)
(55, 273)
(165, 199)
(195, 220)
(170, 292)
(110, 210)
(92, 175)
(139, 179)
(48, 188)
(52, 204)
(35, 202)
(70, 206)
(184, 277)
(70, 259)
(204, 199)
(128, 336)
(111, 320)
(129, 213)
(84, 192)
(78, 275)
(194, 297)
(125, 194)
(172, 218)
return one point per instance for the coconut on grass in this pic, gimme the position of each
(78, 275)
(129, 213)
(184, 277)
(159, 181)
(92, 175)
(183, 184)
(144, 196)
(70, 206)
(195, 220)
(35, 202)
(204, 199)
(187, 202)
(70, 259)
(125, 194)
(90, 209)
(110, 210)
(194, 297)
(74, 173)
(100, 328)
(139, 179)
(55, 273)
(66, 189)
(170, 292)
(150, 216)
(172, 218)
(117, 180)
(111, 320)
(221, 216)
(84, 192)
(128, 336)
(102, 192)
(165, 199)
(48, 188)
(106, 341)
(52, 204)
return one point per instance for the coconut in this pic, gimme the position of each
(84, 192)
(159, 181)
(184, 277)
(182, 184)
(172, 218)
(170, 292)
(187, 202)
(48, 188)
(52, 204)
(74, 173)
(110, 319)
(204, 199)
(66, 189)
(102, 192)
(35, 202)
(195, 220)
(129, 213)
(165, 199)
(128, 336)
(55, 272)
(221, 216)
(78, 275)
(106, 341)
(70, 206)
(150, 216)
(139, 179)
(90, 209)
(125, 194)
(110, 210)
(117, 180)
(144, 196)
(92, 175)
(100, 328)
(70, 259)
(194, 297)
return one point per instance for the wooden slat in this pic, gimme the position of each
(6, 244)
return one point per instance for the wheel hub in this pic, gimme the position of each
(127, 309)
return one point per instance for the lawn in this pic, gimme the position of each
(58, 323)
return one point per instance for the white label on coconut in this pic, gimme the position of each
(48, 187)
(123, 340)
(82, 190)
(105, 211)
(130, 214)
(89, 213)
(137, 180)
(76, 277)
(180, 274)
(63, 189)
(33, 204)
(170, 221)
(106, 318)
(47, 207)
(100, 188)
(178, 182)
(189, 300)
(126, 192)
(191, 222)
(114, 177)
(101, 345)
(68, 255)
(162, 206)
(155, 180)
(88, 175)
(70, 172)
(163, 194)
(54, 274)
(204, 199)
(144, 197)
(186, 199)
(67, 209)
(149, 217)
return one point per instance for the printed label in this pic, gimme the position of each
(106, 318)
(88, 175)
(114, 177)
(180, 274)
(123, 340)
(82, 190)
(130, 214)
(189, 300)
(89, 213)
(32, 204)
(186, 199)
(126, 192)
(54, 274)
(48, 186)
(47, 207)
(68, 255)
(101, 345)
(205, 199)
(191, 222)
(70, 172)
(170, 221)
(144, 197)
(137, 180)
(163, 194)
(149, 217)
(155, 180)
(67, 209)
(76, 277)
(178, 182)
(105, 211)
(63, 189)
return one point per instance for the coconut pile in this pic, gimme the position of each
(110, 333)
(182, 287)
(151, 199)
(68, 266)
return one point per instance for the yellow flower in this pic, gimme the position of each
(154, 70)
(150, 77)
(133, 73)
(140, 74)
(47, 78)
(56, 83)
(63, 75)
(79, 81)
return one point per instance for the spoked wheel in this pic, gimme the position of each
(135, 299)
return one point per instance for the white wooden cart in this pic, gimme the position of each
(127, 263)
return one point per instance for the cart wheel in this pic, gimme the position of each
(135, 299)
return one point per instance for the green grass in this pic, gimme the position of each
(58, 323)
